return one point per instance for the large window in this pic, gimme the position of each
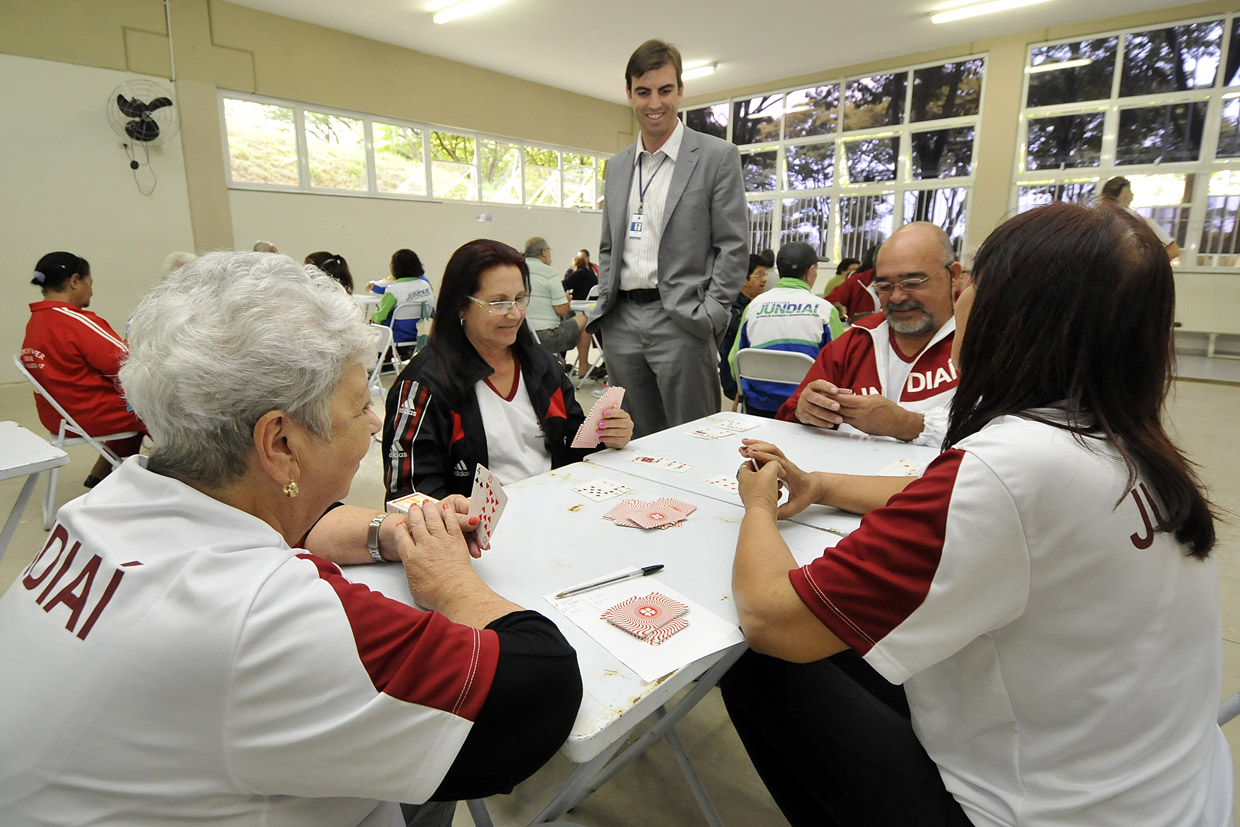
(841, 164)
(283, 145)
(1159, 106)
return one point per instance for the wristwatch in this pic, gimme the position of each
(372, 536)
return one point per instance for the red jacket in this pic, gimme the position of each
(75, 355)
(852, 361)
(855, 295)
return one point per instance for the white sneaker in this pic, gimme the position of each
(597, 393)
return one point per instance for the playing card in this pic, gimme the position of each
(679, 505)
(711, 433)
(587, 434)
(733, 423)
(642, 616)
(665, 631)
(602, 489)
(662, 462)
(652, 516)
(901, 468)
(487, 503)
(725, 482)
(401, 505)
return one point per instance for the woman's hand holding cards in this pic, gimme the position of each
(615, 429)
(801, 486)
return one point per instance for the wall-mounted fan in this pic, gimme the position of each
(143, 111)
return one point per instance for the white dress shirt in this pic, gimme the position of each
(639, 266)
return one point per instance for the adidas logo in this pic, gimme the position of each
(461, 470)
(406, 409)
(396, 452)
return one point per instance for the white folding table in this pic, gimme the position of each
(812, 449)
(551, 537)
(22, 452)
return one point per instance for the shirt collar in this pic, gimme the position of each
(670, 148)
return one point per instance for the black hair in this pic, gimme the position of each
(406, 265)
(870, 257)
(1113, 187)
(448, 342)
(1074, 306)
(55, 269)
(766, 259)
(334, 265)
(845, 263)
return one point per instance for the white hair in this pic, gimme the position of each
(175, 260)
(226, 339)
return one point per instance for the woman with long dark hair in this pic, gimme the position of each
(481, 391)
(1029, 633)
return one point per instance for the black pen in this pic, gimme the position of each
(626, 575)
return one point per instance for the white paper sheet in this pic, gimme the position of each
(707, 632)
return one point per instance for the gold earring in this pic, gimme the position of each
(291, 490)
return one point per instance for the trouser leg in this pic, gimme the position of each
(833, 742)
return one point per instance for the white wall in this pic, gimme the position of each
(68, 186)
(366, 231)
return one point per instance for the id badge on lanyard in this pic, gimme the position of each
(637, 220)
(635, 225)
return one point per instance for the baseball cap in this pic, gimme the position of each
(795, 259)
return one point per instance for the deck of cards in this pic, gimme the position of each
(665, 512)
(653, 618)
(401, 505)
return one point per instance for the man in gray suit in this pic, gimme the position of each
(673, 254)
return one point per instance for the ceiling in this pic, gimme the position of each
(582, 45)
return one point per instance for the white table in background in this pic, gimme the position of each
(551, 537)
(812, 449)
(22, 452)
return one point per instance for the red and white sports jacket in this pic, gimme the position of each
(75, 355)
(865, 359)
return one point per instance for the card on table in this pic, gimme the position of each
(602, 489)
(732, 423)
(711, 433)
(487, 503)
(725, 482)
(587, 434)
(901, 468)
(665, 512)
(662, 462)
(643, 616)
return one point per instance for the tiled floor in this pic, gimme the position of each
(651, 790)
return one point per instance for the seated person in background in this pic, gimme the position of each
(409, 285)
(334, 265)
(481, 391)
(201, 669)
(75, 356)
(550, 315)
(890, 375)
(854, 297)
(787, 317)
(577, 283)
(751, 288)
(843, 270)
(1117, 191)
(1042, 598)
(265, 247)
(585, 256)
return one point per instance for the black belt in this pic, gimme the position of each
(641, 296)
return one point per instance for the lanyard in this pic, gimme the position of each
(643, 188)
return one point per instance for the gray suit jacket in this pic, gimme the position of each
(704, 249)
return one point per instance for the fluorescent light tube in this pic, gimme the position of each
(465, 8)
(980, 8)
(698, 71)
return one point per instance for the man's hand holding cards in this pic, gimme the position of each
(486, 503)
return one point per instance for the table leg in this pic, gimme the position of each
(19, 507)
(691, 777)
(598, 771)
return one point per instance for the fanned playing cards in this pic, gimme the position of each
(487, 503)
(587, 434)
(653, 618)
(664, 512)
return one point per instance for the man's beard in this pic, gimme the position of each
(911, 327)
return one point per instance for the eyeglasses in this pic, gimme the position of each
(908, 285)
(498, 308)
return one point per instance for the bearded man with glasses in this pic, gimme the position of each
(890, 374)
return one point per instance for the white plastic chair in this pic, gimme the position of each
(418, 310)
(62, 438)
(384, 334)
(595, 343)
(1229, 709)
(784, 367)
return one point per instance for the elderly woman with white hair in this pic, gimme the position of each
(194, 663)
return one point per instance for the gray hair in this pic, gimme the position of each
(265, 247)
(535, 246)
(223, 341)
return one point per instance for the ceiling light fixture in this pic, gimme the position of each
(1051, 67)
(699, 71)
(980, 8)
(464, 8)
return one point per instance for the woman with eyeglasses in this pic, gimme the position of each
(482, 391)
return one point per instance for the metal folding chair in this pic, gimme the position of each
(784, 367)
(417, 310)
(63, 437)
